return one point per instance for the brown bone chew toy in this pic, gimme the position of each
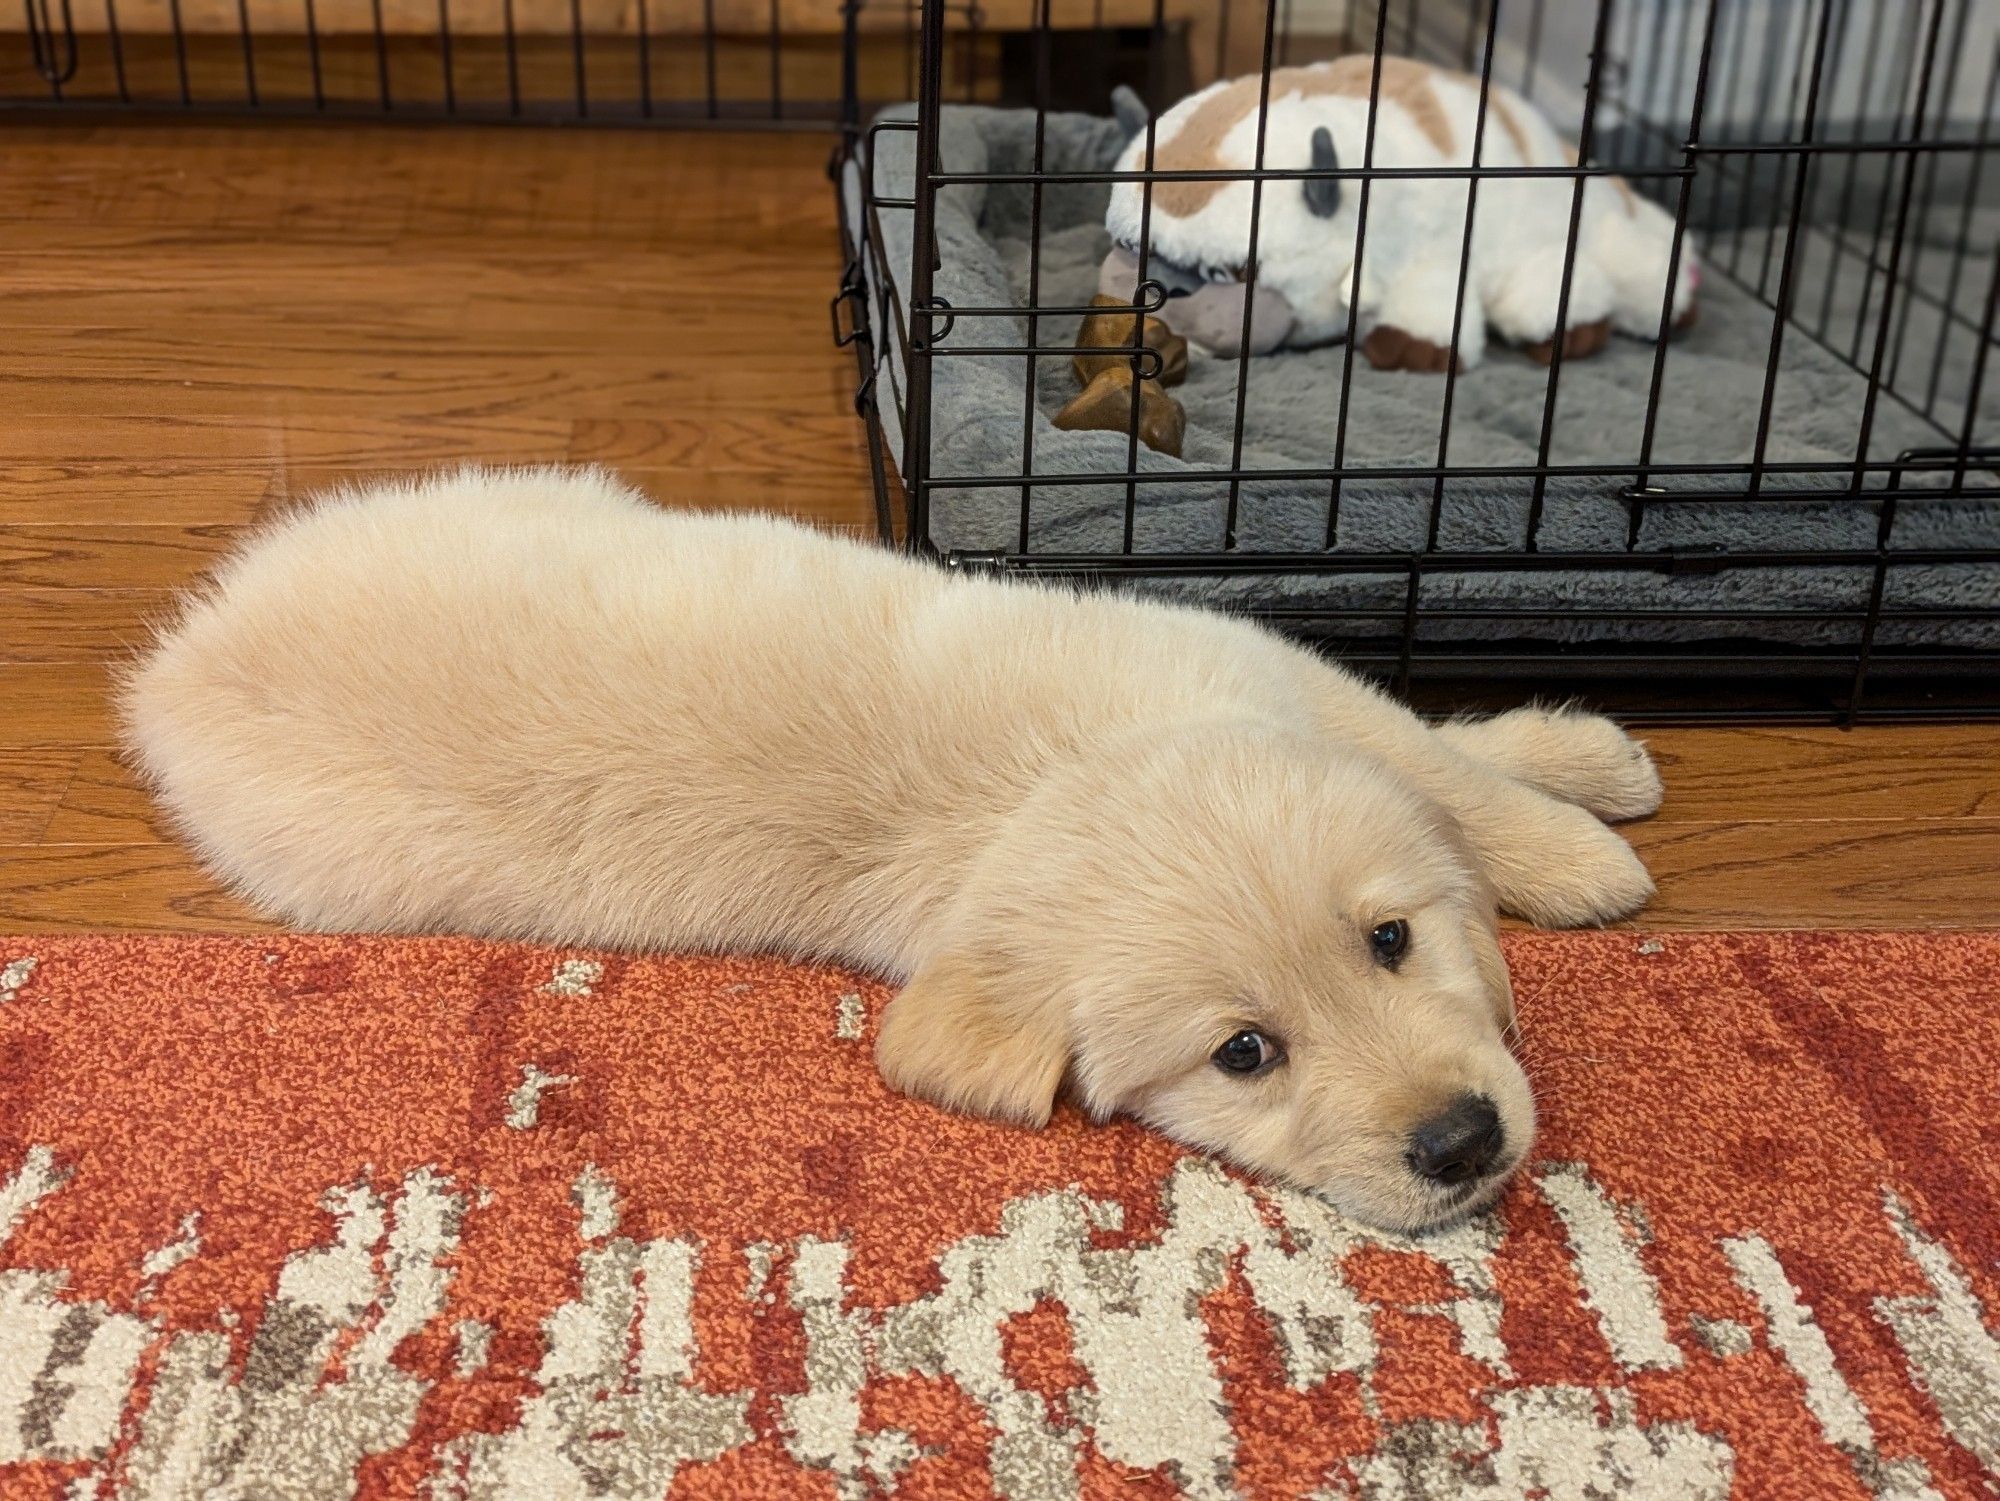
(1105, 405)
(1114, 331)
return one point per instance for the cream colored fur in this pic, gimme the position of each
(1097, 836)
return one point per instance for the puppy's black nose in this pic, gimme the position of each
(1459, 1143)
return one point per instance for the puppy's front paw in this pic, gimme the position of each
(1577, 874)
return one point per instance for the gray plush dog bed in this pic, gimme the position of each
(1708, 414)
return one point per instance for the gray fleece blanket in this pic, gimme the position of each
(1708, 414)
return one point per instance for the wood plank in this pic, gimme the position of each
(159, 443)
(111, 445)
(1790, 773)
(1823, 873)
(444, 229)
(770, 439)
(137, 556)
(32, 783)
(118, 888)
(102, 803)
(221, 507)
(50, 704)
(154, 494)
(565, 299)
(78, 625)
(105, 495)
(827, 499)
(340, 184)
(465, 387)
(361, 333)
(400, 259)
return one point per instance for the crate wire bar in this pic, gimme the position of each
(1667, 102)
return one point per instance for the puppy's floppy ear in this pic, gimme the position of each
(1482, 922)
(1483, 928)
(964, 1036)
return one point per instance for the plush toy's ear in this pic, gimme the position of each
(1323, 193)
(1129, 110)
(962, 1036)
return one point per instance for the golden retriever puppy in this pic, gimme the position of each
(1154, 857)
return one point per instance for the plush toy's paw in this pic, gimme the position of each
(1686, 320)
(1394, 349)
(1579, 343)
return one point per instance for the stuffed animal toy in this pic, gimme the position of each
(1198, 232)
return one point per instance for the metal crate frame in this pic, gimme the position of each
(1860, 677)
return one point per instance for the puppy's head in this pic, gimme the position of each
(1280, 956)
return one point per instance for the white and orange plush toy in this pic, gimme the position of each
(1198, 231)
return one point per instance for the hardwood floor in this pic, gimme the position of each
(199, 324)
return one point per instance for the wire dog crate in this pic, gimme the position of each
(1790, 511)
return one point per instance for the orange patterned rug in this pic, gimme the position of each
(329, 1217)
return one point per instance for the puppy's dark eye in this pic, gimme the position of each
(1247, 1053)
(1390, 941)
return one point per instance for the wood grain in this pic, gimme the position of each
(1798, 775)
(422, 192)
(99, 494)
(102, 803)
(143, 555)
(32, 783)
(1825, 872)
(467, 387)
(54, 704)
(116, 888)
(201, 325)
(76, 625)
